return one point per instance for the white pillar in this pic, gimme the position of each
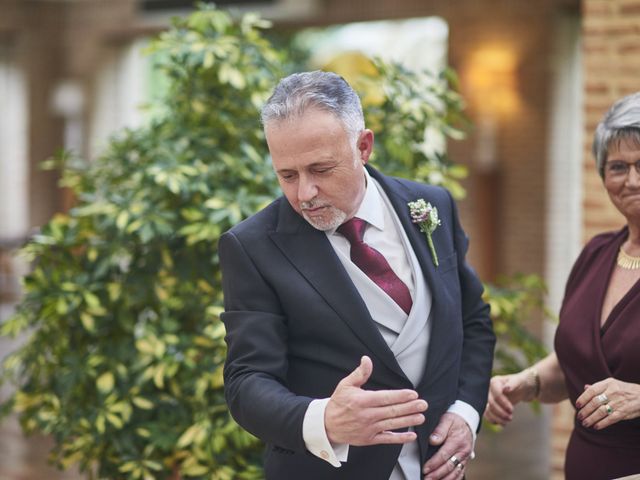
(14, 162)
(564, 170)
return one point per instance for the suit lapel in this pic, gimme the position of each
(310, 252)
(399, 196)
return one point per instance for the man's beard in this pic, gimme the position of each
(330, 219)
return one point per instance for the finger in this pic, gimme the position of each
(360, 375)
(502, 399)
(503, 404)
(388, 438)
(456, 474)
(383, 398)
(597, 415)
(609, 419)
(378, 414)
(458, 442)
(441, 431)
(491, 418)
(592, 404)
(446, 468)
(497, 412)
(435, 463)
(398, 423)
(591, 391)
(586, 397)
(588, 410)
(600, 414)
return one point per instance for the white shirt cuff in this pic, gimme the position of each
(315, 435)
(469, 415)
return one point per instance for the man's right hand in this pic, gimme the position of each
(366, 417)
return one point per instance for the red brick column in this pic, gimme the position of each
(611, 35)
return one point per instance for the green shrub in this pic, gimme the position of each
(123, 363)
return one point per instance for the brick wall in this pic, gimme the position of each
(611, 62)
(611, 32)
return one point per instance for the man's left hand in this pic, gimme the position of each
(455, 436)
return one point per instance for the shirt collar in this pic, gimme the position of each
(371, 208)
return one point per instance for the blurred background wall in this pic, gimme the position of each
(537, 76)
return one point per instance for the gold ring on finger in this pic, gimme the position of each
(460, 466)
(608, 409)
(602, 399)
(454, 460)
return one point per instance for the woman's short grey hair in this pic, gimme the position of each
(621, 122)
(326, 91)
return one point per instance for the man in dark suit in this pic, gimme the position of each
(355, 351)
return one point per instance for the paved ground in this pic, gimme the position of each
(518, 453)
(25, 458)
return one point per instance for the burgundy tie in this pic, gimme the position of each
(373, 263)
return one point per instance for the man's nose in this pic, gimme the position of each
(307, 189)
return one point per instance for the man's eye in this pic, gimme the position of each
(320, 171)
(288, 177)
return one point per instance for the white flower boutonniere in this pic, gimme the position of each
(426, 216)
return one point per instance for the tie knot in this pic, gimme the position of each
(353, 229)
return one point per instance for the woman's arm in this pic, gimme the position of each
(543, 381)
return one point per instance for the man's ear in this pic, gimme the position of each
(365, 145)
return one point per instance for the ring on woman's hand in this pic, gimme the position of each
(460, 466)
(608, 408)
(602, 398)
(454, 460)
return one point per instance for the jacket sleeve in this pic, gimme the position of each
(479, 339)
(256, 365)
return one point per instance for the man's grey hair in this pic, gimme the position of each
(621, 122)
(325, 91)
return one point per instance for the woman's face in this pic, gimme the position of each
(622, 178)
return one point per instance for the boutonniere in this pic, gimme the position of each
(426, 216)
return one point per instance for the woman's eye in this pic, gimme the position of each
(617, 167)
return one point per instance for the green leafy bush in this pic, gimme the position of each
(123, 363)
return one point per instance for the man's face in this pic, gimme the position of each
(320, 167)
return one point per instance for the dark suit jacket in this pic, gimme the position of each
(296, 326)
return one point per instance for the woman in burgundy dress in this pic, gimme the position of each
(596, 363)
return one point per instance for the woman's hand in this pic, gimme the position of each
(608, 402)
(505, 391)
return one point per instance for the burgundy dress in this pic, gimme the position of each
(588, 354)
